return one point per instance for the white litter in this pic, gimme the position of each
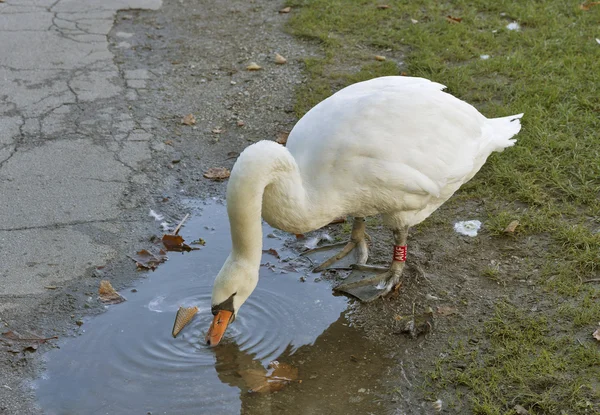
(414, 21)
(513, 26)
(166, 226)
(313, 242)
(598, 40)
(155, 215)
(437, 405)
(467, 227)
(485, 57)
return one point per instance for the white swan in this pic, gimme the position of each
(396, 146)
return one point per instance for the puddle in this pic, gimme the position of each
(126, 362)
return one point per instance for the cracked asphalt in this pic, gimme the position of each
(92, 95)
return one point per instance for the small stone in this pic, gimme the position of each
(133, 290)
(79, 323)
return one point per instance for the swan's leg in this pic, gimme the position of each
(368, 282)
(357, 243)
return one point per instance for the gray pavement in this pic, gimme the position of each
(68, 147)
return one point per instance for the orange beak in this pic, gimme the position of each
(218, 327)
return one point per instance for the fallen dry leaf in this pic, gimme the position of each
(452, 19)
(280, 59)
(383, 6)
(275, 378)
(199, 241)
(512, 226)
(240, 123)
(145, 259)
(299, 235)
(217, 173)
(272, 252)
(108, 294)
(285, 10)
(520, 410)
(188, 119)
(253, 66)
(176, 243)
(282, 137)
(169, 142)
(232, 155)
(596, 334)
(51, 287)
(379, 58)
(444, 310)
(588, 5)
(183, 317)
(217, 130)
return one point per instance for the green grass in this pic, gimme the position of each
(550, 181)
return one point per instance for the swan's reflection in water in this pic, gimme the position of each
(341, 374)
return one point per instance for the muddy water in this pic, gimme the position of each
(125, 361)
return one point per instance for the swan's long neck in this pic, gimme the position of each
(265, 175)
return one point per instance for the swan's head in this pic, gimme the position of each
(233, 285)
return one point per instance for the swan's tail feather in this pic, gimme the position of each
(501, 130)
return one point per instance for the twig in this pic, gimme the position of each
(41, 339)
(176, 231)
(592, 280)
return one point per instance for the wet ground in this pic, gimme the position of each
(126, 361)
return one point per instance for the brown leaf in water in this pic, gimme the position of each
(512, 226)
(253, 66)
(452, 19)
(596, 334)
(145, 259)
(188, 119)
(285, 10)
(299, 235)
(108, 294)
(275, 378)
(176, 243)
(444, 310)
(588, 5)
(272, 252)
(199, 241)
(282, 137)
(217, 173)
